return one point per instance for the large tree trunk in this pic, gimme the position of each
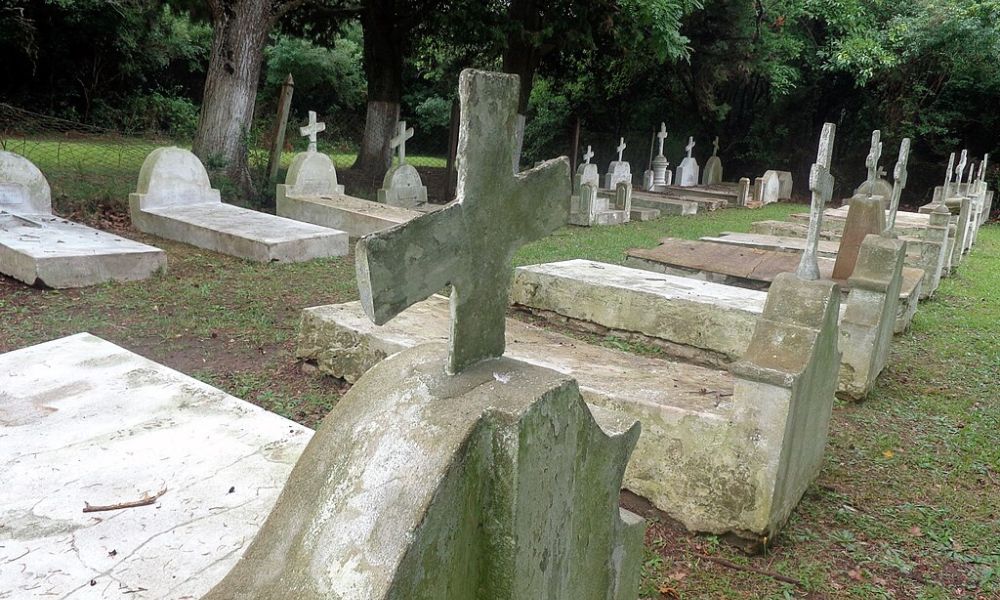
(383, 54)
(240, 30)
(521, 57)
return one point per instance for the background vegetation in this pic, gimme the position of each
(762, 74)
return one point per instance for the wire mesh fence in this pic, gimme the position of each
(88, 166)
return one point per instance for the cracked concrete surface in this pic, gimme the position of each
(84, 421)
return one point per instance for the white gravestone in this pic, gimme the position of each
(618, 170)
(174, 199)
(312, 173)
(42, 249)
(713, 166)
(661, 167)
(402, 186)
(687, 171)
(767, 189)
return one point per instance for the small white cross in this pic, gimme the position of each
(715, 146)
(312, 129)
(589, 154)
(662, 135)
(961, 166)
(690, 146)
(402, 134)
(620, 148)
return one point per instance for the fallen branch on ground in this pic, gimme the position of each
(731, 565)
(146, 500)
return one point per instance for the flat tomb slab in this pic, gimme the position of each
(753, 268)
(83, 421)
(243, 232)
(705, 319)
(666, 206)
(42, 249)
(826, 249)
(345, 343)
(355, 216)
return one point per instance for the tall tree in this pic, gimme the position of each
(240, 33)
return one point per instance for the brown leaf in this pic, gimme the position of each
(855, 574)
(916, 531)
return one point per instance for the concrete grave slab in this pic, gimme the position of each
(696, 442)
(39, 248)
(85, 422)
(311, 194)
(175, 200)
(752, 268)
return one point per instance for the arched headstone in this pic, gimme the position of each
(172, 176)
(23, 187)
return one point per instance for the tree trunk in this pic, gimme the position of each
(383, 54)
(240, 30)
(521, 57)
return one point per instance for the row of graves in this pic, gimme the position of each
(476, 454)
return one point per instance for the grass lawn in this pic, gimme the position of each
(907, 506)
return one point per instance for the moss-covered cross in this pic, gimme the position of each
(469, 244)
(821, 186)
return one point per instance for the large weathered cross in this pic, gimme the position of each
(661, 136)
(982, 168)
(621, 148)
(470, 243)
(898, 184)
(312, 129)
(821, 186)
(402, 134)
(874, 155)
(589, 154)
(715, 146)
(690, 146)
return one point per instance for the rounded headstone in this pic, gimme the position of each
(402, 187)
(23, 187)
(312, 174)
(172, 176)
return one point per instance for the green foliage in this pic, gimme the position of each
(327, 80)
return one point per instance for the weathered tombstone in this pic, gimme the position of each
(713, 166)
(743, 192)
(311, 173)
(402, 185)
(175, 199)
(821, 185)
(41, 249)
(898, 185)
(875, 185)
(661, 166)
(784, 183)
(454, 473)
(687, 171)
(767, 189)
(588, 206)
(618, 170)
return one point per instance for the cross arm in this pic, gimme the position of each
(408, 263)
(540, 202)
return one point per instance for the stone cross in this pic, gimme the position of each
(821, 185)
(312, 129)
(402, 134)
(947, 178)
(982, 167)
(662, 135)
(898, 184)
(962, 161)
(690, 146)
(874, 155)
(715, 146)
(469, 244)
(589, 154)
(621, 148)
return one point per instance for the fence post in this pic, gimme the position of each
(278, 143)
(452, 152)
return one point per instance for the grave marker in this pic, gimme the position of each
(687, 171)
(713, 166)
(311, 129)
(898, 184)
(821, 185)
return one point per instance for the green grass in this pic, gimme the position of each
(907, 505)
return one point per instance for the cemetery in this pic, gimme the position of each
(314, 312)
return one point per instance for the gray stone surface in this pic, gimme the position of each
(712, 173)
(618, 170)
(311, 194)
(865, 216)
(867, 325)
(706, 317)
(449, 471)
(821, 188)
(784, 183)
(83, 421)
(706, 455)
(494, 483)
(767, 189)
(402, 187)
(464, 245)
(41, 249)
(175, 200)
